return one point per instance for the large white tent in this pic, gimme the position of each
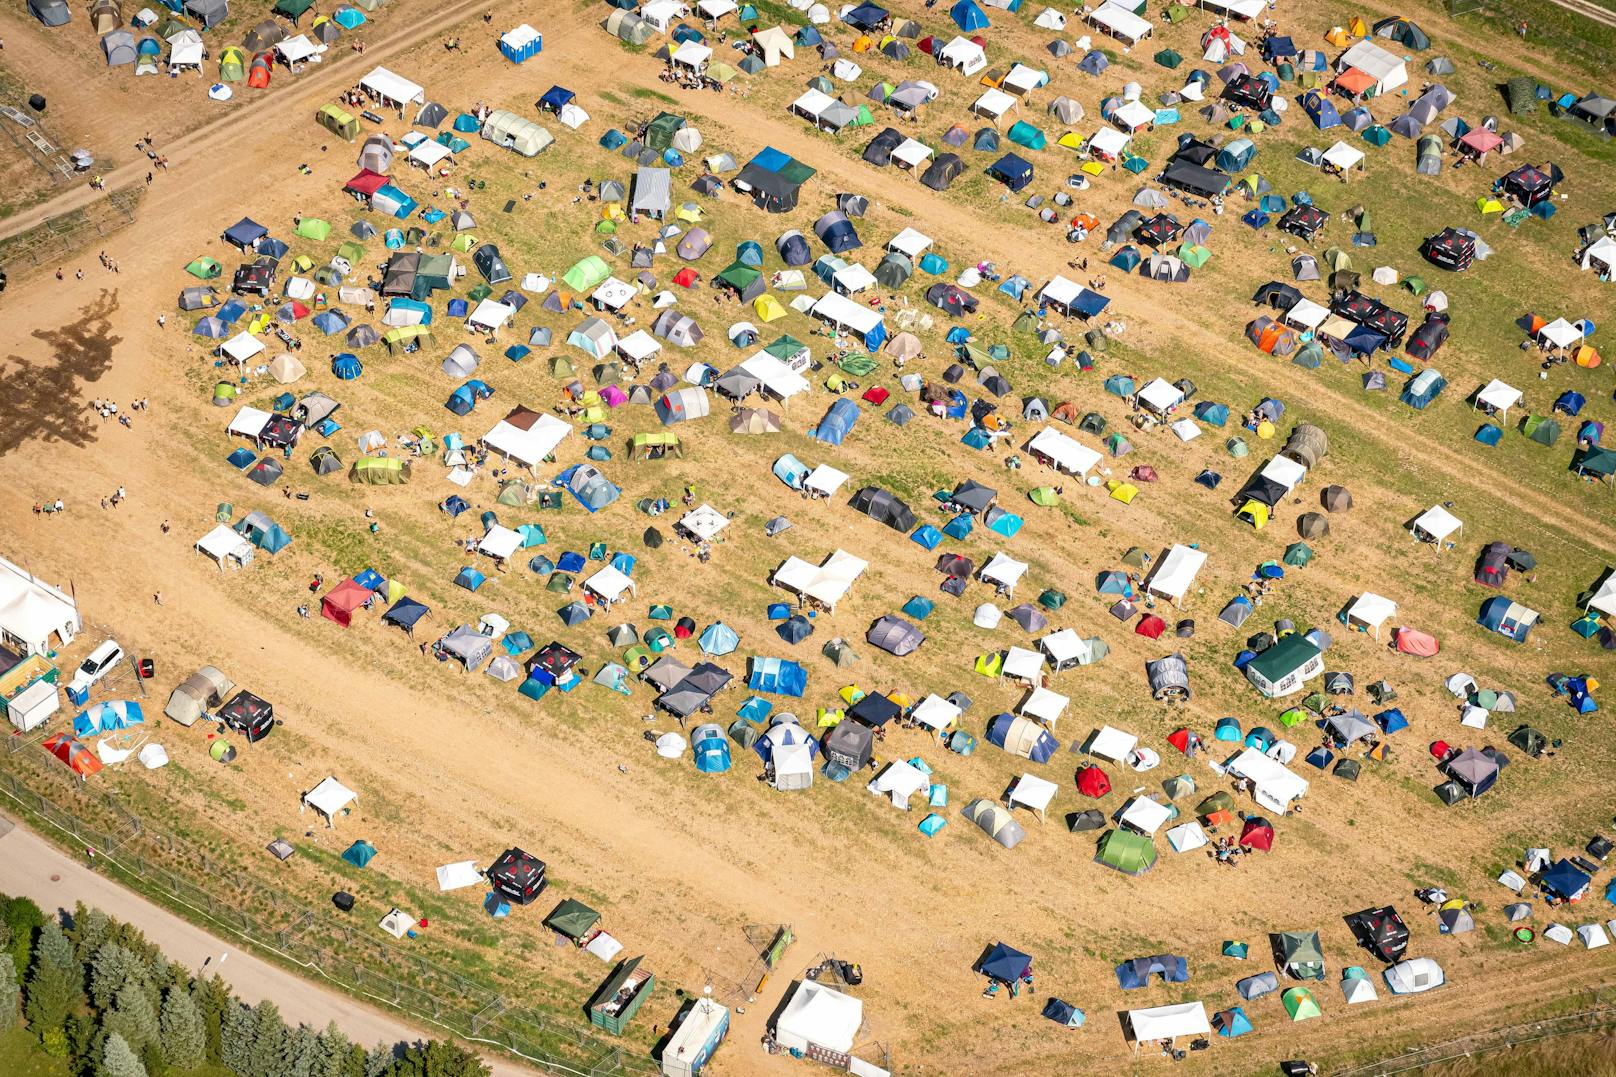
(1168, 1022)
(823, 583)
(819, 1016)
(1273, 785)
(1176, 573)
(32, 611)
(529, 445)
(1064, 451)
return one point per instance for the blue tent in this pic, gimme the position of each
(1564, 880)
(748, 253)
(1005, 964)
(462, 400)
(1064, 1013)
(516, 643)
(959, 527)
(555, 98)
(918, 607)
(1136, 972)
(1391, 720)
(1227, 729)
(574, 613)
(1423, 388)
(1278, 48)
(1126, 258)
(784, 735)
(469, 578)
(1212, 414)
(1321, 110)
(1012, 171)
(1489, 434)
(405, 612)
(330, 321)
(967, 16)
(711, 750)
(755, 709)
(346, 366)
(837, 423)
(1507, 617)
(791, 471)
(1231, 1023)
(613, 139)
(778, 676)
(1119, 385)
(866, 17)
(360, 853)
(1570, 402)
(806, 38)
(795, 629)
(719, 639)
(1005, 523)
(1236, 155)
(933, 263)
(454, 505)
(211, 327)
(1320, 757)
(1042, 750)
(108, 717)
(244, 233)
(231, 311)
(927, 536)
(1093, 62)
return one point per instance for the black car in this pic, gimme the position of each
(1382, 932)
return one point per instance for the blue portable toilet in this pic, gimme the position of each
(521, 44)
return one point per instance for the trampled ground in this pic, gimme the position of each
(453, 766)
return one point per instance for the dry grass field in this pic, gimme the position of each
(453, 766)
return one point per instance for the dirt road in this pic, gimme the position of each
(31, 867)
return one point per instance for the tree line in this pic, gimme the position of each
(96, 993)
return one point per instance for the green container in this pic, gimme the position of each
(621, 996)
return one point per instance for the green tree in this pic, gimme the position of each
(114, 966)
(269, 1035)
(53, 984)
(439, 1058)
(117, 1060)
(214, 1003)
(378, 1060)
(23, 921)
(339, 1056)
(88, 933)
(236, 1041)
(303, 1053)
(133, 1015)
(10, 992)
(184, 1034)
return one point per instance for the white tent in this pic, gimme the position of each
(661, 13)
(1593, 936)
(1144, 815)
(909, 242)
(1343, 156)
(393, 88)
(704, 522)
(899, 781)
(776, 45)
(778, 379)
(1273, 785)
(824, 480)
(819, 1016)
(964, 55)
(716, 9)
(824, 583)
(1307, 314)
(610, 583)
(1186, 837)
(845, 313)
(1066, 648)
(1604, 597)
(1160, 396)
(1110, 743)
(242, 347)
(1357, 989)
(1434, 525)
(490, 315)
(249, 422)
(1065, 452)
(1004, 572)
(1044, 705)
(1031, 791)
(1175, 573)
(1132, 115)
(500, 542)
(638, 346)
(1371, 611)
(529, 446)
(428, 152)
(1168, 1022)
(32, 611)
(612, 294)
(1022, 665)
(935, 713)
(1120, 22)
(1560, 333)
(1498, 397)
(692, 54)
(852, 279)
(328, 799)
(225, 546)
(1022, 80)
(1384, 67)
(1050, 19)
(294, 50)
(1601, 255)
(993, 104)
(1285, 471)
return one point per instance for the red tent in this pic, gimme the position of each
(686, 277)
(72, 751)
(366, 183)
(1092, 782)
(1441, 749)
(258, 76)
(1413, 641)
(876, 394)
(1258, 834)
(1150, 625)
(342, 600)
(1180, 739)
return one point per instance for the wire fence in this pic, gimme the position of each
(56, 238)
(190, 876)
(1596, 1019)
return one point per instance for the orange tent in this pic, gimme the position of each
(1355, 82)
(73, 752)
(1584, 355)
(864, 44)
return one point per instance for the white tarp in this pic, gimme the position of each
(1273, 785)
(460, 874)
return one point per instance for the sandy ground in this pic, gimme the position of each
(450, 767)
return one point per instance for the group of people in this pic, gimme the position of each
(108, 409)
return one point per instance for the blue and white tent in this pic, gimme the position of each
(107, 717)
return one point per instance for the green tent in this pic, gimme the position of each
(1541, 429)
(292, 9)
(1045, 496)
(312, 228)
(380, 471)
(1219, 801)
(1127, 852)
(513, 494)
(1416, 285)
(1298, 554)
(351, 252)
(360, 853)
(203, 269)
(660, 131)
(1293, 717)
(1177, 13)
(401, 338)
(1194, 255)
(338, 122)
(738, 277)
(586, 273)
(862, 118)
(1521, 93)
(990, 664)
(1300, 1004)
(1025, 134)
(572, 918)
(1169, 59)
(1052, 599)
(1235, 949)
(1301, 956)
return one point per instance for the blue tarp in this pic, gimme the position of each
(778, 676)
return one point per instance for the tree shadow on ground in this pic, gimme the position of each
(42, 392)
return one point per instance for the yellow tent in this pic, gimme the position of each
(1254, 513)
(611, 211)
(258, 324)
(1071, 140)
(395, 591)
(864, 44)
(1338, 36)
(1121, 491)
(1254, 126)
(1265, 429)
(689, 212)
(901, 700)
(851, 694)
(1093, 168)
(594, 415)
(302, 263)
(828, 718)
(590, 399)
(464, 242)
(990, 665)
(1357, 28)
(1485, 205)
(768, 308)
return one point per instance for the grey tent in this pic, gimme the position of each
(1304, 267)
(198, 298)
(1300, 955)
(1428, 156)
(376, 154)
(263, 37)
(431, 115)
(653, 189)
(895, 635)
(1336, 498)
(468, 645)
(1439, 65)
(894, 270)
(1264, 983)
(900, 415)
(737, 384)
(945, 168)
(50, 12)
(490, 264)
(1169, 677)
(202, 691)
(850, 745)
(119, 47)
(694, 244)
(1066, 110)
(995, 821)
(883, 507)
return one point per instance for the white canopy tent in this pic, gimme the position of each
(935, 713)
(500, 542)
(249, 422)
(1384, 67)
(1168, 1022)
(242, 347)
(1022, 665)
(393, 88)
(1132, 115)
(490, 315)
(1044, 705)
(993, 104)
(1343, 156)
(610, 583)
(1434, 525)
(778, 379)
(898, 782)
(909, 241)
(1160, 396)
(1604, 597)
(1560, 333)
(819, 1016)
(529, 446)
(1111, 743)
(1175, 573)
(704, 522)
(1120, 22)
(1307, 314)
(225, 547)
(911, 154)
(1273, 785)
(1371, 611)
(1065, 452)
(1004, 572)
(1145, 815)
(824, 480)
(964, 55)
(639, 346)
(824, 583)
(1031, 791)
(329, 798)
(1497, 397)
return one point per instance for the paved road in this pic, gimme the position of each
(32, 867)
